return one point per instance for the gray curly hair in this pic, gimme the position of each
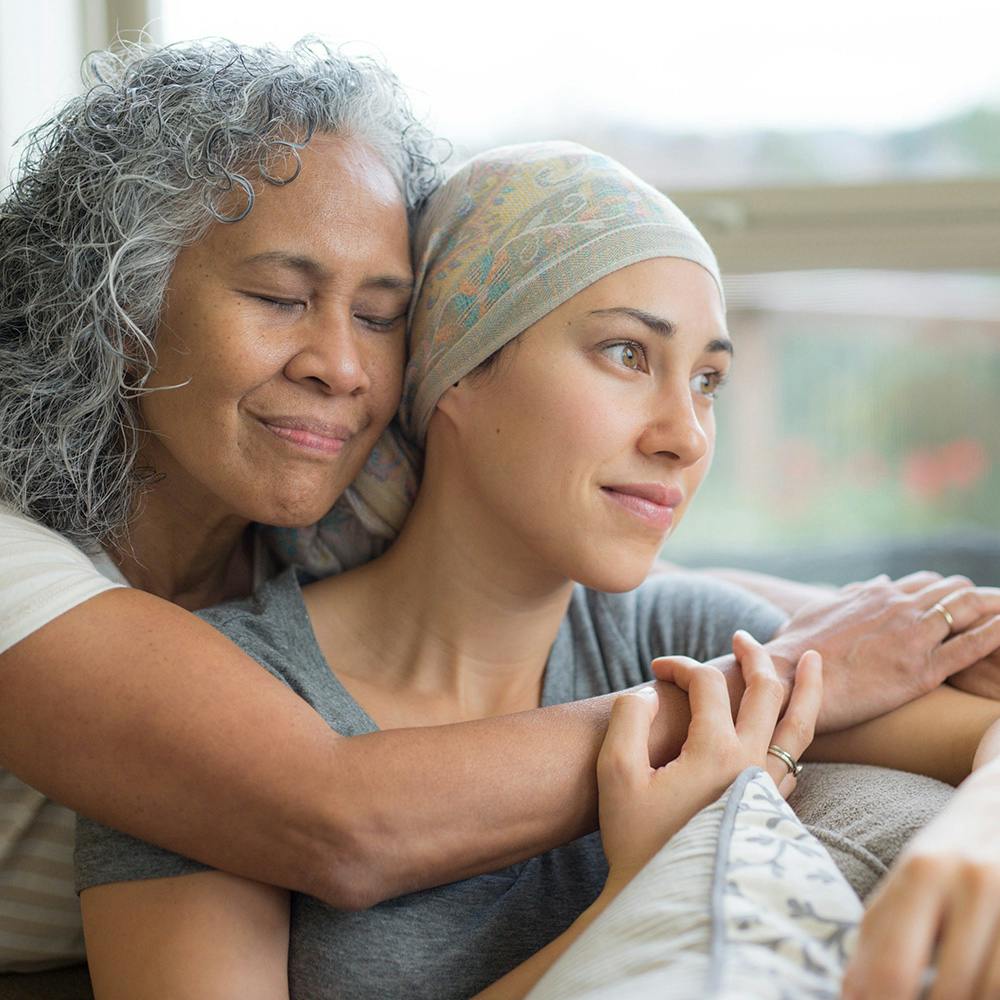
(165, 142)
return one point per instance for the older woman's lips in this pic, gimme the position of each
(653, 503)
(328, 439)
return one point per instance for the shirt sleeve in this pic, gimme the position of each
(105, 855)
(42, 575)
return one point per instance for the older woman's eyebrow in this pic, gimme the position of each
(661, 326)
(314, 269)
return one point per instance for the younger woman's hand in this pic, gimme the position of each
(641, 807)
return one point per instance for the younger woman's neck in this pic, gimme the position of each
(452, 608)
(183, 556)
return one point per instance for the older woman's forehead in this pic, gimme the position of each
(326, 216)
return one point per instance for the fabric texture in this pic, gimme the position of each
(453, 940)
(42, 576)
(742, 903)
(513, 234)
(865, 815)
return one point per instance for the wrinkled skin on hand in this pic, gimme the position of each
(883, 643)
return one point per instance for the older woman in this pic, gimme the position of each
(203, 273)
(568, 342)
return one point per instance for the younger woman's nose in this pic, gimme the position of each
(676, 430)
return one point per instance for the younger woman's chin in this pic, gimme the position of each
(617, 580)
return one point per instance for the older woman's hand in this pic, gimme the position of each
(641, 807)
(939, 903)
(885, 643)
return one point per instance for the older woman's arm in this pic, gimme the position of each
(163, 728)
(134, 712)
(936, 735)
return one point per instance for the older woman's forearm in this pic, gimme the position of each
(166, 730)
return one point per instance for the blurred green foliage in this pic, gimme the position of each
(879, 430)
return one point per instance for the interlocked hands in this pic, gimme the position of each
(641, 807)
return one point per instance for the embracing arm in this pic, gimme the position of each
(126, 725)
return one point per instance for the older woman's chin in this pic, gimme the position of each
(291, 502)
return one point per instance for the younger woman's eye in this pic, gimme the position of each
(708, 384)
(628, 354)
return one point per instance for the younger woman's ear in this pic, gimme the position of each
(454, 399)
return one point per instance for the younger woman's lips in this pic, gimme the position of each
(654, 506)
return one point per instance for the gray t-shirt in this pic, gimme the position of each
(453, 940)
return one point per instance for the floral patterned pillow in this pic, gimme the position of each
(743, 902)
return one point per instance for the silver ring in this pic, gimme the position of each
(947, 616)
(794, 767)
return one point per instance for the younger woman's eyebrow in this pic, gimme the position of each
(657, 324)
(661, 326)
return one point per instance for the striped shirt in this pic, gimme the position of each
(42, 575)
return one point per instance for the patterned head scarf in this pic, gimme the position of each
(513, 234)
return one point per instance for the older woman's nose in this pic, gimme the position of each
(331, 356)
(676, 430)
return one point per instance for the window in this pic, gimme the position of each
(844, 164)
(864, 407)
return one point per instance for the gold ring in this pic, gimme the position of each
(947, 616)
(794, 767)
